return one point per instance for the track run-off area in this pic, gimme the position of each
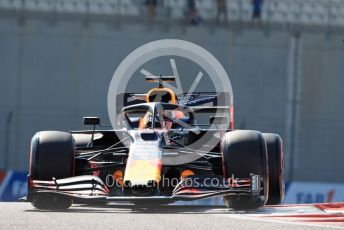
(22, 215)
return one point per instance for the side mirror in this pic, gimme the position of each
(91, 121)
(218, 120)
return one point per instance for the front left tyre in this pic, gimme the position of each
(244, 152)
(51, 156)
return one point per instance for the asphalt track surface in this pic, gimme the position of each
(22, 215)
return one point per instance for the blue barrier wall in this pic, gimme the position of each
(12, 185)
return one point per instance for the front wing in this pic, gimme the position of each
(87, 188)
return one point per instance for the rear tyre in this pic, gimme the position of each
(274, 146)
(244, 152)
(52, 156)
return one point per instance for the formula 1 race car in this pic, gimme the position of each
(141, 162)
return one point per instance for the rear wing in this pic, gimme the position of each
(204, 104)
(160, 78)
(204, 99)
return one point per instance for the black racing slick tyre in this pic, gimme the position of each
(274, 146)
(244, 152)
(51, 156)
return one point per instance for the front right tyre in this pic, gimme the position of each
(51, 156)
